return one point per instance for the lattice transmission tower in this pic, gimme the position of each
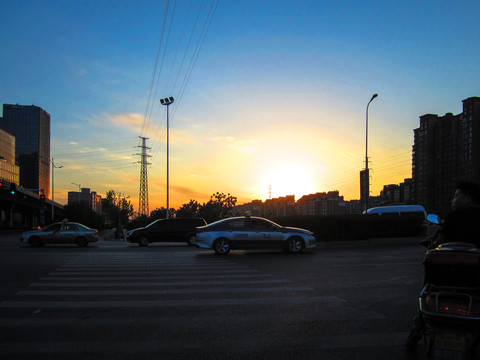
(143, 195)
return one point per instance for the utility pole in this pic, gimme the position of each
(143, 195)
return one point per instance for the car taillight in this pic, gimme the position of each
(95, 232)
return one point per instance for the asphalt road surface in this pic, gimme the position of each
(115, 300)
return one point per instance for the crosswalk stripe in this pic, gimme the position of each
(169, 303)
(173, 272)
(153, 277)
(159, 292)
(163, 283)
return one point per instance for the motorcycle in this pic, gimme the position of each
(449, 303)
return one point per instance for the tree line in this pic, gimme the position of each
(218, 207)
(117, 211)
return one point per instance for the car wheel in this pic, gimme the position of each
(81, 242)
(294, 245)
(191, 240)
(222, 246)
(143, 241)
(35, 241)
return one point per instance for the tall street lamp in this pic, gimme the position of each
(167, 101)
(79, 191)
(366, 174)
(53, 187)
(79, 186)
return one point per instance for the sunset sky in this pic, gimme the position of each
(267, 93)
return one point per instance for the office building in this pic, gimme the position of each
(9, 172)
(446, 150)
(30, 125)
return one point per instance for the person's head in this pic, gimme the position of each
(466, 195)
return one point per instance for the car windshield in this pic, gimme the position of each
(152, 224)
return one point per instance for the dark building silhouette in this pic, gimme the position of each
(446, 150)
(31, 127)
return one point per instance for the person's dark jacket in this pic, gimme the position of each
(463, 226)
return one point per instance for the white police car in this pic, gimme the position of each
(252, 233)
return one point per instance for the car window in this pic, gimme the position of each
(53, 227)
(159, 225)
(237, 224)
(261, 225)
(70, 227)
(178, 225)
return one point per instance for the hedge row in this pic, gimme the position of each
(355, 227)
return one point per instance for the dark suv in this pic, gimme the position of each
(167, 230)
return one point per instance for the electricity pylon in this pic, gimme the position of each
(143, 195)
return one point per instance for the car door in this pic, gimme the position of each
(264, 234)
(67, 234)
(177, 229)
(159, 231)
(49, 234)
(238, 234)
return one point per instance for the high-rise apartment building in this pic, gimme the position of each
(91, 198)
(446, 150)
(31, 127)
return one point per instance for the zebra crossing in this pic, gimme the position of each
(126, 305)
(93, 280)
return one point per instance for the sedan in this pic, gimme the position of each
(252, 233)
(61, 233)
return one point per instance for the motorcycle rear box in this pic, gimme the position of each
(453, 264)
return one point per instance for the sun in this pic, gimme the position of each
(289, 179)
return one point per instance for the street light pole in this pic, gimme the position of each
(53, 187)
(367, 175)
(79, 186)
(167, 102)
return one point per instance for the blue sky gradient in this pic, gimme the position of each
(273, 94)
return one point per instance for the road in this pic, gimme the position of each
(115, 300)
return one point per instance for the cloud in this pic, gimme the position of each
(240, 145)
(131, 121)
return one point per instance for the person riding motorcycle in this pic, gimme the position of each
(460, 225)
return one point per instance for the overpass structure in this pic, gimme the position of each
(25, 209)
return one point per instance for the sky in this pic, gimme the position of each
(270, 96)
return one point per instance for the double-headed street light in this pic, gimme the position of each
(53, 187)
(167, 101)
(366, 174)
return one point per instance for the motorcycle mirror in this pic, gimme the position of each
(433, 219)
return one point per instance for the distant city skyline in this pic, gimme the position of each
(271, 95)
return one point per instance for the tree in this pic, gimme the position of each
(189, 210)
(117, 207)
(161, 213)
(217, 207)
